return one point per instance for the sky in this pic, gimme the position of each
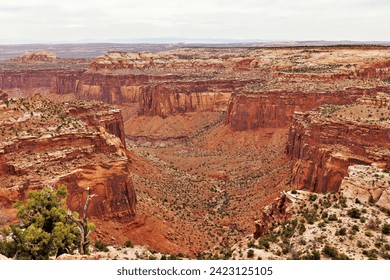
(44, 21)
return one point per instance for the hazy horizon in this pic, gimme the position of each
(204, 21)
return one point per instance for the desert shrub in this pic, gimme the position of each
(342, 231)
(101, 246)
(386, 229)
(301, 229)
(263, 244)
(371, 254)
(250, 254)
(313, 255)
(354, 213)
(8, 249)
(332, 217)
(129, 244)
(343, 202)
(310, 216)
(330, 251)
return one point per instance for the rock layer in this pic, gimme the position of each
(266, 85)
(325, 142)
(46, 143)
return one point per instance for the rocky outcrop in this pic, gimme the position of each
(98, 114)
(367, 184)
(45, 143)
(324, 143)
(272, 215)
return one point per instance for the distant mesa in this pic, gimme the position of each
(36, 56)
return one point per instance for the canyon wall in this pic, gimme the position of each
(324, 143)
(45, 143)
(203, 79)
(28, 82)
(275, 108)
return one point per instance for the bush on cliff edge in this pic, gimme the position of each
(44, 230)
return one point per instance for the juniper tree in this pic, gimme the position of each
(44, 229)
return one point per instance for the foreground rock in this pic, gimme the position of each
(320, 226)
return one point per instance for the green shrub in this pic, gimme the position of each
(342, 231)
(8, 249)
(263, 244)
(45, 229)
(330, 251)
(250, 254)
(386, 229)
(332, 217)
(354, 213)
(343, 202)
(314, 255)
(129, 244)
(101, 246)
(368, 234)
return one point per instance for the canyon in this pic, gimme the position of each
(185, 147)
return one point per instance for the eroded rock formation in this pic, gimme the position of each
(265, 85)
(273, 214)
(46, 143)
(324, 143)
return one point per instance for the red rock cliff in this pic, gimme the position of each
(325, 142)
(275, 108)
(43, 144)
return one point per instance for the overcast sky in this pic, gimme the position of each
(40, 21)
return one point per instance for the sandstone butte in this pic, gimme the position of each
(206, 137)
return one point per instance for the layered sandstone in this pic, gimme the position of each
(271, 82)
(252, 110)
(324, 143)
(46, 143)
